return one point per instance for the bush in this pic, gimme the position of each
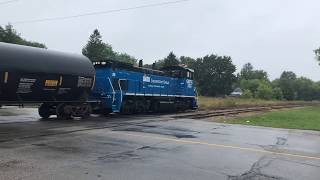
(277, 94)
(251, 85)
(247, 94)
(264, 92)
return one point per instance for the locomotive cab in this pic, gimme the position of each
(179, 72)
(185, 85)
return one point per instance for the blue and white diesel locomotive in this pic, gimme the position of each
(127, 89)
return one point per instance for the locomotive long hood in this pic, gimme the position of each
(28, 59)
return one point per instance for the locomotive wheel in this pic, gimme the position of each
(44, 111)
(141, 107)
(179, 107)
(127, 108)
(106, 111)
(155, 107)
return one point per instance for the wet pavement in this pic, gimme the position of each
(151, 147)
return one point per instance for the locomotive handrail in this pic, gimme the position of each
(113, 92)
(120, 88)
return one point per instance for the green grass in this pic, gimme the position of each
(307, 118)
(208, 103)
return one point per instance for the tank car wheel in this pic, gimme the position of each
(61, 113)
(44, 111)
(86, 111)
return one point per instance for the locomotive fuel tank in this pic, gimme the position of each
(34, 75)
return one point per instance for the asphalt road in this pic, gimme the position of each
(151, 147)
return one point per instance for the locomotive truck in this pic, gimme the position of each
(69, 85)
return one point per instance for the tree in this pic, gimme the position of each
(260, 74)
(251, 85)
(9, 35)
(187, 61)
(277, 93)
(248, 73)
(171, 60)
(264, 91)
(287, 84)
(96, 50)
(306, 89)
(316, 87)
(317, 52)
(157, 65)
(293, 88)
(247, 94)
(275, 83)
(214, 75)
(124, 57)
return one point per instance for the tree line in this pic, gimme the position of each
(288, 86)
(214, 75)
(9, 35)
(97, 50)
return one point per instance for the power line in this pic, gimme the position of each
(7, 2)
(99, 12)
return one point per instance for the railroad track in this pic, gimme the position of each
(228, 112)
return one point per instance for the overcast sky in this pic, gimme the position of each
(274, 35)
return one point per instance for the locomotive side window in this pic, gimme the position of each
(124, 85)
(176, 73)
(185, 74)
(180, 72)
(189, 75)
(115, 83)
